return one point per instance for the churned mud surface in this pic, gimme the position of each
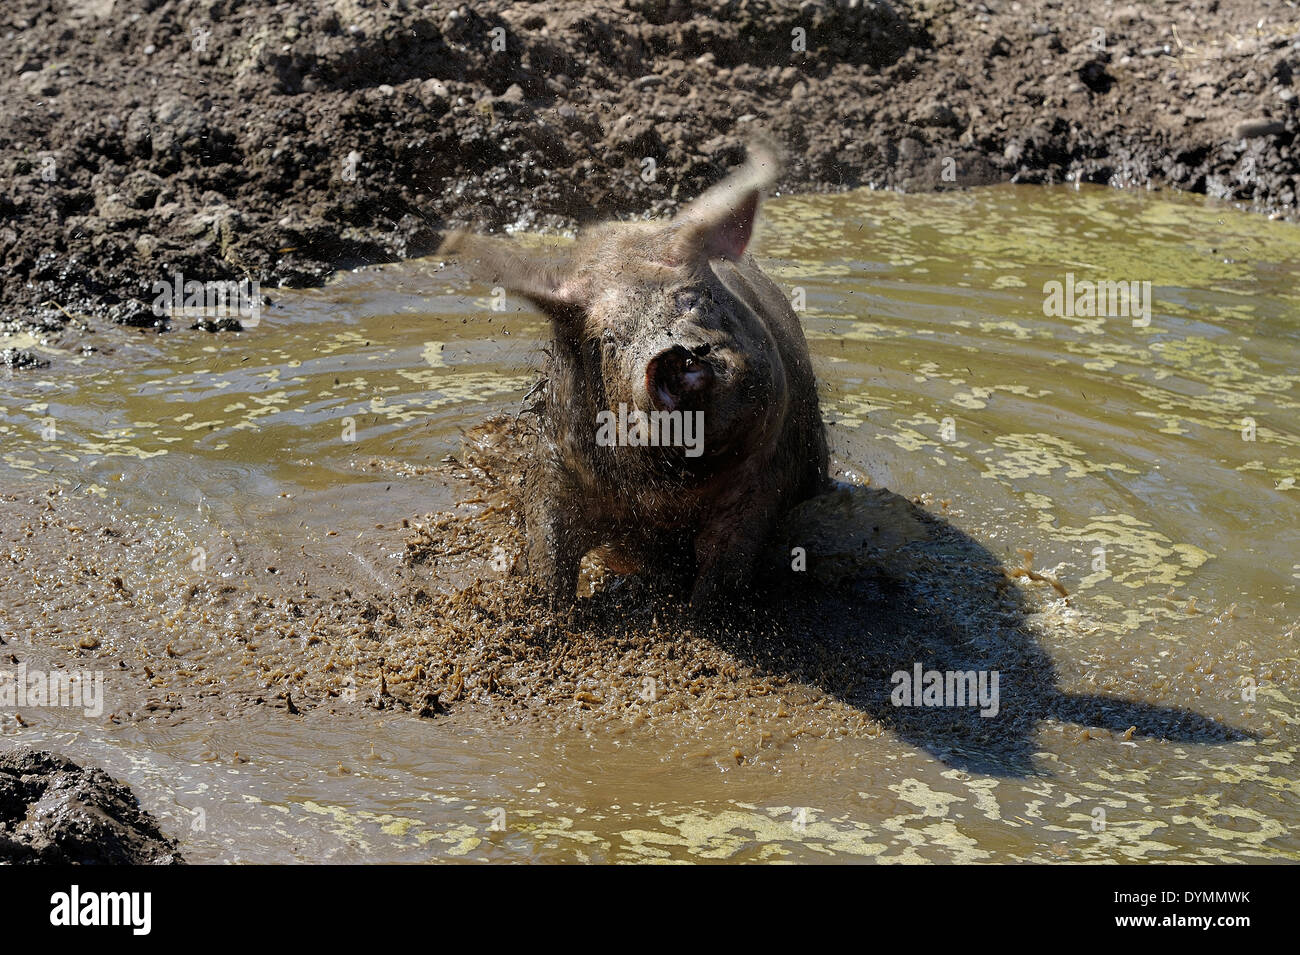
(463, 637)
(53, 811)
(221, 139)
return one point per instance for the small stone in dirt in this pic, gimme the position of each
(1255, 128)
(937, 114)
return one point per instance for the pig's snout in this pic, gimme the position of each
(678, 378)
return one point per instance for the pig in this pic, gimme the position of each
(678, 417)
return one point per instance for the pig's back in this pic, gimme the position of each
(803, 452)
(750, 284)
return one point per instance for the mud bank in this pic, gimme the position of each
(227, 140)
(53, 811)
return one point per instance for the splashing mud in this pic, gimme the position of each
(291, 557)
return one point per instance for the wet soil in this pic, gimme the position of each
(221, 139)
(53, 811)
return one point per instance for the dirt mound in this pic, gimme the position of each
(233, 140)
(54, 812)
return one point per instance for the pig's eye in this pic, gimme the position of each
(687, 299)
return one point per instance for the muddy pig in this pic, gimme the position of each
(678, 415)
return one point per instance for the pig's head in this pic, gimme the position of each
(642, 316)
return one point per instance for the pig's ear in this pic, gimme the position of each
(497, 262)
(720, 223)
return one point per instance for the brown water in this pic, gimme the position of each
(1151, 470)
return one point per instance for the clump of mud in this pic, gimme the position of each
(52, 811)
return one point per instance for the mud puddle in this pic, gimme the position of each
(287, 554)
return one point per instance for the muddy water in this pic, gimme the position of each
(1150, 470)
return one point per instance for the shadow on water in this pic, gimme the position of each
(889, 586)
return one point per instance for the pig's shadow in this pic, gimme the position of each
(888, 586)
